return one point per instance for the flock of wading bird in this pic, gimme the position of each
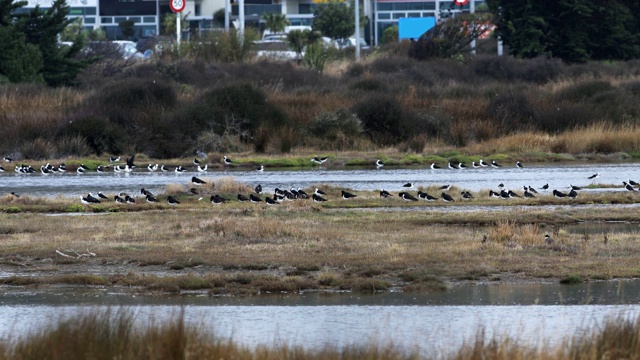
(280, 195)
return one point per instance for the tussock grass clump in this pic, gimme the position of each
(174, 189)
(231, 186)
(510, 233)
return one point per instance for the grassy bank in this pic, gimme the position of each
(115, 334)
(241, 248)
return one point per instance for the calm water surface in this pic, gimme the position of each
(430, 324)
(558, 176)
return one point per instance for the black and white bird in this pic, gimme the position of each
(425, 196)
(519, 165)
(631, 182)
(318, 160)
(45, 171)
(217, 199)
(117, 169)
(347, 195)
(594, 176)
(435, 167)
(15, 194)
(545, 187)
(408, 185)
(628, 186)
(101, 195)
(130, 163)
(379, 164)
(528, 194)
(172, 201)
(255, 199)
(196, 161)
(504, 194)
(494, 194)
(145, 192)
(180, 169)
(202, 168)
(445, 187)
(260, 169)
(197, 181)
(81, 169)
(62, 167)
(89, 199)
(152, 167)
(474, 165)
(258, 189)
(114, 158)
(163, 168)
(450, 166)
(270, 201)
(446, 197)
(495, 164)
(531, 189)
(129, 199)
(8, 159)
(319, 192)
(559, 194)
(1, 169)
(407, 197)
(573, 194)
(101, 169)
(483, 163)
(573, 187)
(226, 160)
(118, 199)
(513, 194)
(242, 198)
(548, 240)
(151, 199)
(384, 193)
(318, 198)
(467, 195)
(462, 166)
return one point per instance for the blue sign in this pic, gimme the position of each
(413, 28)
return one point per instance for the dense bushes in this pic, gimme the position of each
(170, 109)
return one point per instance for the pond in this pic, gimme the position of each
(558, 176)
(431, 324)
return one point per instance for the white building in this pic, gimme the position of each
(147, 14)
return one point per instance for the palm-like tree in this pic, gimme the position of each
(274, 22)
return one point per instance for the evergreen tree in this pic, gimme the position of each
(572, 30)
(29, 50)
(334, 19)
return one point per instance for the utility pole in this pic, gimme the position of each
(472, 10)
(357, 11)
(227, 9)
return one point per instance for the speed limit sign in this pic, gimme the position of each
(177, 5)
(460, 2)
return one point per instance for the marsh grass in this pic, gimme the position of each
(116, 333)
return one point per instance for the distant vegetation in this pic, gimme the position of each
(169, 108)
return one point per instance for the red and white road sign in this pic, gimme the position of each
(460, 2)
(178, 5)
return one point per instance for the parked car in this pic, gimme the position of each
(350, 42)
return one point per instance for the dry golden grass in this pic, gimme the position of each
(117, 334)
(372, 248)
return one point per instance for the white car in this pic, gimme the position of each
(350, 42)
(128, 49)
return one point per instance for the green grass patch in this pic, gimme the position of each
(11, 210)
(73, 208)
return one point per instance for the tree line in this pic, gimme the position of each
(29, 49)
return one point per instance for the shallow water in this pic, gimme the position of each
(430, 324)
(558, 176)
